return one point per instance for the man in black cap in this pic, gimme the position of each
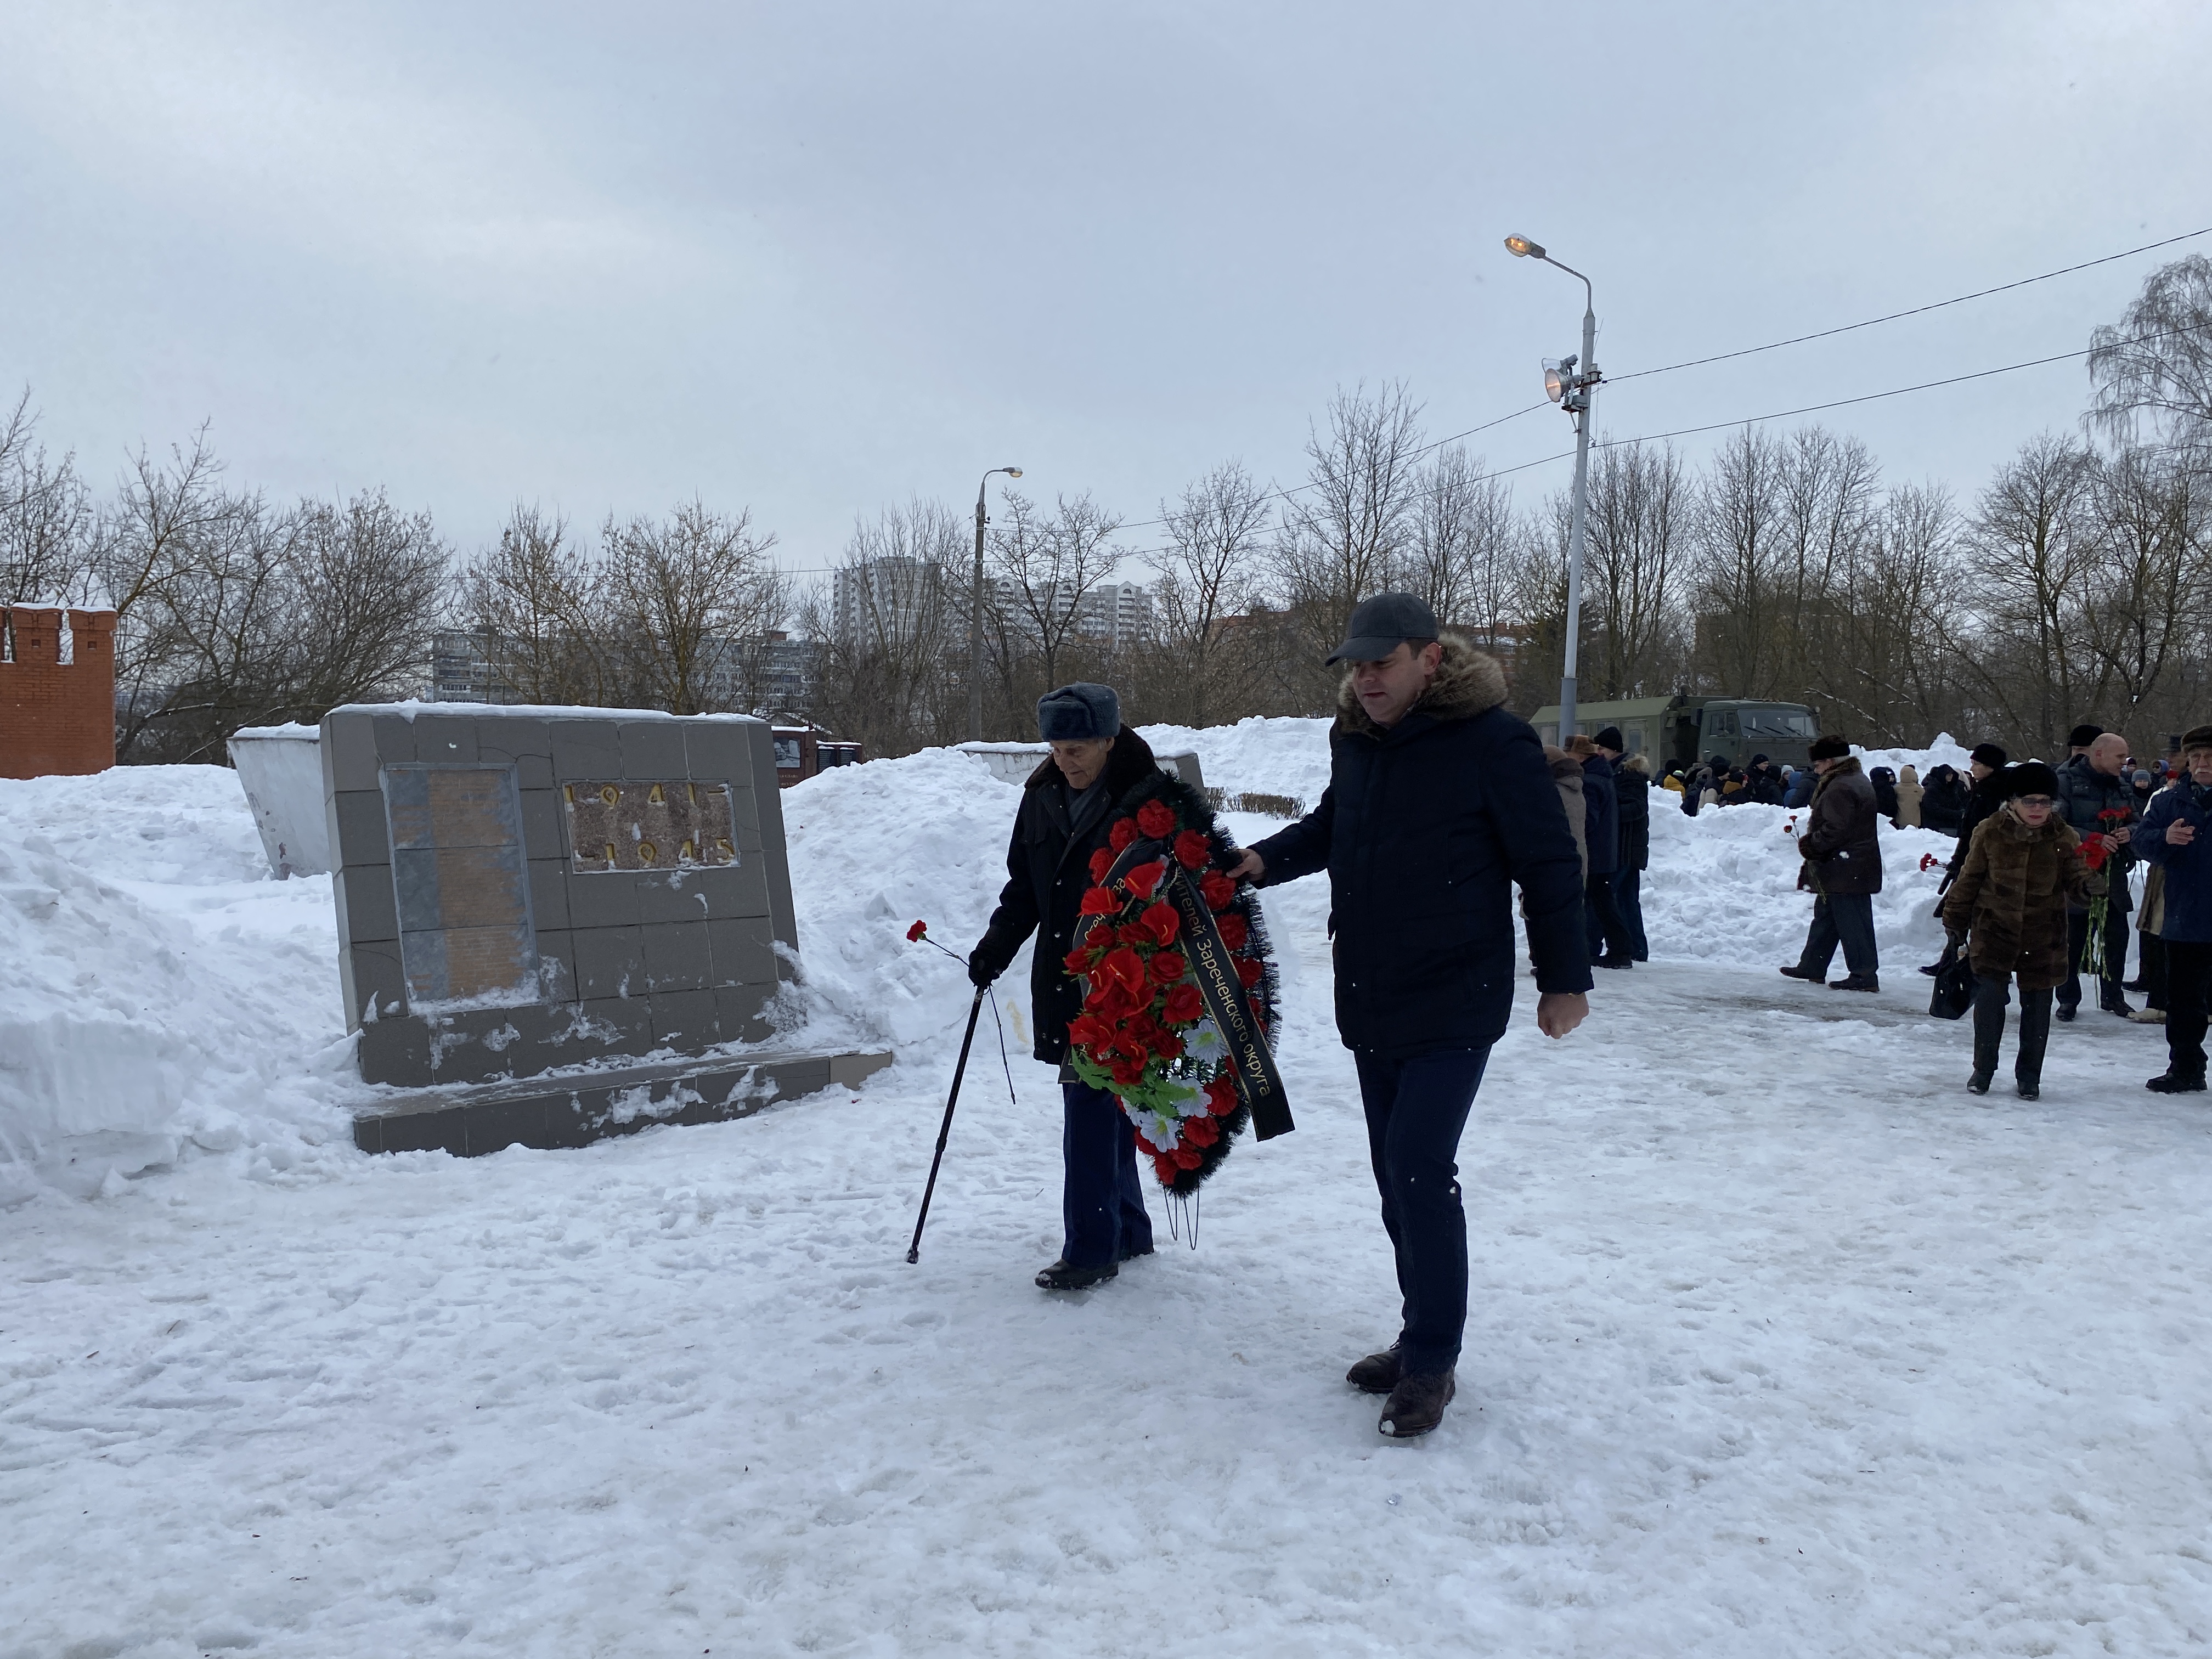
(1842, 868)
(1439, 802)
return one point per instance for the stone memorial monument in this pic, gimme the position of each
(548, 917)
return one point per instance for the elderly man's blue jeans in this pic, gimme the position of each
(1416, 1109)
(1102, 1201)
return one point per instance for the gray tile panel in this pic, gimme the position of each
(541, 824)
(607, 899)
(676, 956)
(374, 970)
(692, 895)
(742, 951)
(395, 738)
(359, 834)
(556, 964)
(717, 751)
(609, 962)
(349, 760)
(451, 737)
(585, 749)
(548, 894)
(396, 1051)
(368, 908)
(651, 749)
(738, 1014)
(684, 1020)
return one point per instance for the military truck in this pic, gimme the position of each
(1683, 731)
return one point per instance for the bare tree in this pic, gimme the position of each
(2144, 594)
(2153, 369)
(1345, 536)
(890, 635)
(1739, 525)
(47, 525)
(1044, 567)
(1465, 545)
(1215, 535)
(1641, 507)
(534, 605)
(692, 599)
(362, 585)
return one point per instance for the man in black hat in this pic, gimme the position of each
(1842, 868)
(1439, 802)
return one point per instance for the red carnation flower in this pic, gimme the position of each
(1147, 1146)
(1099, 901)
(2095, 849)
(1127, 1072)
(1167, 1045)
(916, 931)
(1221, 1096)
(1101, 860)
(1168, 966)
(1145, 877)
(1218, 892)
(1249, 971)
(1076, 961)
(1191, 850)
(1234, 930)
(1164, 1167)
(1188, 1157)
(1184, 1005)
(1124, 967)
(1155, 819)
(1123, 832)
(1200, 1131)
(1088, 1031)
(1161, 922)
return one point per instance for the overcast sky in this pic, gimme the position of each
(814, 258)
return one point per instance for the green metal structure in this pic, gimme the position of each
(1682, 731)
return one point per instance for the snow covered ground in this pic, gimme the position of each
(1780, 1342)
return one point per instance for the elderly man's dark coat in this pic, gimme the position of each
(2084, 795)
(1839, 842)
(1424, 829)
(1049, 871)
(2011, 898)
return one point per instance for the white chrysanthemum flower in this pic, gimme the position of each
(1203, 1040)
(1163, 1132)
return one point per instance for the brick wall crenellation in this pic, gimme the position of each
(57, 717)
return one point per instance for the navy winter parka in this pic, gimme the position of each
(1600, 816)
(1424, 829)
(2188, 868)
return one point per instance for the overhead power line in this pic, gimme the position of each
(1916, 311)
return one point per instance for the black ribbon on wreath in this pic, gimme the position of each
(1213, 969)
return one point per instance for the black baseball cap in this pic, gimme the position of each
(1380, 624)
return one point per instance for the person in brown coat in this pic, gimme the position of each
(1842, 868)
(2023, 869)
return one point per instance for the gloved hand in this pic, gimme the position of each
(983, 964)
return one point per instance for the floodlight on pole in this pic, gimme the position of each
(975, 611)
(1572, 384)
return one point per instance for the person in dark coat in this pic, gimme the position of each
(2097, 796)
(1987, 763)
(1803, 782)
(1631, 786)
(2007, 910)
(1609, 943)
(1099, 770)
(2177, 838)
(1439, 802)
(1885, 793)
(1942, 800)
(1843, 868)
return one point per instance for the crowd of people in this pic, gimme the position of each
(1442, 803)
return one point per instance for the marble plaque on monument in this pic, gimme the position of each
(462, 884)
(643, 824)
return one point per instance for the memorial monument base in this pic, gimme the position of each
(547, 1113)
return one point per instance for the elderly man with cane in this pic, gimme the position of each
(1099, 770)
(1439, 800)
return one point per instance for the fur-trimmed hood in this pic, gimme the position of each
(1468, 682)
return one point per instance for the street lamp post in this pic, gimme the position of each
(1573, 385)
(976, 612)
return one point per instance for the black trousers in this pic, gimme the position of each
(2109, 993)
(1628, 900)
(1602, 921)
(1846, 919)
(1416, 1109)
(1990, 998)
(1102, 1199)
(2188, 984)
(2150, 950)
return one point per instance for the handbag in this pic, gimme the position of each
(1954, 990)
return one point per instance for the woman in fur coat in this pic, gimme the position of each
(2023, 868)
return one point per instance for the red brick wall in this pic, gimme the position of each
(56, 716)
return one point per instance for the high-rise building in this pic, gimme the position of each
(891, 598)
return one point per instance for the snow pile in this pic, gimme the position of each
(157, 988)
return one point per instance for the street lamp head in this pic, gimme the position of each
(1011, 472)
(1521, 248)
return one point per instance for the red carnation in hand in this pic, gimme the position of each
(1221, 1096)
(1191, 850)
(1155, 819)
(1125, 969)
(1145, 877)
(1168, 966)
(1099, 901)
(1184, 1005)
(1161, 922)
(1219, 892)
(1200, 1131)
(1234, 932)
(1188, 1157)
(916, 931)
(1249, 971)
(1100, 861)
(1123, 832)
(2095, 849)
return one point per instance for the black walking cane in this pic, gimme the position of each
(944, 1129)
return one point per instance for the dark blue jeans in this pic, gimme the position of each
(1844, 918)
(1416, 1109)
(1102, 1201)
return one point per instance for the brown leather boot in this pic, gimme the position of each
(1417, 1405)
(1377, 1374)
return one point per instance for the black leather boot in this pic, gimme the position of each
(1990, 996)
(2034, 1037)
